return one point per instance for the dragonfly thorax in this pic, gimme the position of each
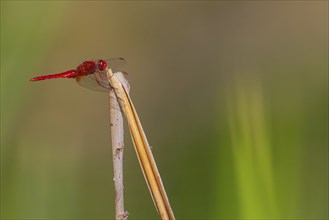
(86, 68)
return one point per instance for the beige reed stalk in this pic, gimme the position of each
(142, 148)
(117, 139)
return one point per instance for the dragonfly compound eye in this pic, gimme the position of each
(101, 64)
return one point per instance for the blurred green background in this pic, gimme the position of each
(233, 97)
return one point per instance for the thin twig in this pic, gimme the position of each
(143, 150)
(117, 139)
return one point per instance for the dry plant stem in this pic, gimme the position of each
(117, 139)
(143, 151)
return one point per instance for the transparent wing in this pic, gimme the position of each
(91, 82)
(116, 63)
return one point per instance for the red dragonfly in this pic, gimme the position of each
(90, 74)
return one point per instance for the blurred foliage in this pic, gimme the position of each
(232, 95)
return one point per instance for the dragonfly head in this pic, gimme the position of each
(101, 64)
